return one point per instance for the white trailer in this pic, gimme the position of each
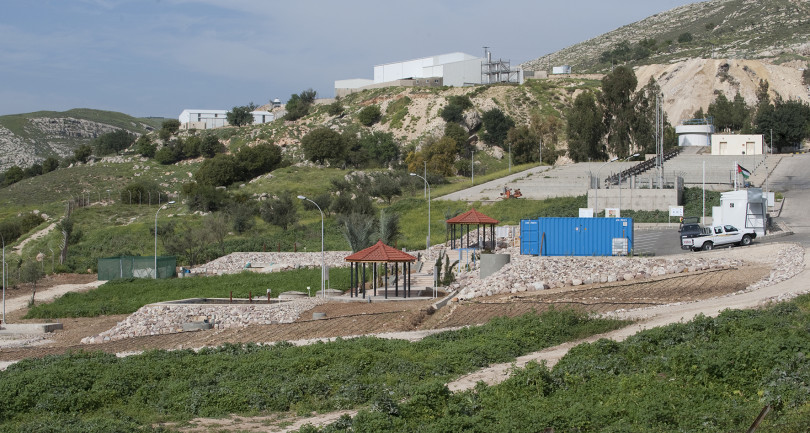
(744, 208)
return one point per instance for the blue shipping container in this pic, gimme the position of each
(574, 236)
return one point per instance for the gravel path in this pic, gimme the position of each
(47, 295)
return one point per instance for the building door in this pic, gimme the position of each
(749, 148)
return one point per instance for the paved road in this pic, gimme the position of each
(658, 242)
(791, 177)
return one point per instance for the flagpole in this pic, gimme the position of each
(703, 216)
(736, 167)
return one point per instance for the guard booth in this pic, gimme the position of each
(111, 268)
(745, 208)
(576, 236)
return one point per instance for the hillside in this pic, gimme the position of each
(692, 84)
(777, 31)
(31, 137)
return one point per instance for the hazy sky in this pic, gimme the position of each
(157, 57)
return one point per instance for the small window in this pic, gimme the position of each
(730, 228)
(718, 230)
(436, 81)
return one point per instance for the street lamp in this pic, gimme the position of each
(620, 182)
(4, 277)
(510, 157)
(323, 260)
(428, 189)
(156, 215)
(596, 194)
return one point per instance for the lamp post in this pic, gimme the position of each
(472, 167)
(4, 277)
(156, 215)
(620, 183)
(108, 196)
(510, 157)
(323, 260)
(428, 190)
(596, 194)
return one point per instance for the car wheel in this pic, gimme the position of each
(746, 240)
(707, 246)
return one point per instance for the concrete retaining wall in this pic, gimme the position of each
(636, 199)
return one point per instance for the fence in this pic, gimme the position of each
(111, 268)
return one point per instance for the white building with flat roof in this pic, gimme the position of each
(452, 69)
(737, 144)
(209, 119)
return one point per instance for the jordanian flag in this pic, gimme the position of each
(745, 173)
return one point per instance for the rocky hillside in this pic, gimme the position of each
(692, 84)
(775, 31)
(29, 138)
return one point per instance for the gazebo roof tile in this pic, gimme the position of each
(472, 216)
(380, 252)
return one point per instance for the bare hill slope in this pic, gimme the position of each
(692, 84)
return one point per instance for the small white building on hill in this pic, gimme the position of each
(209, 119)
(737, 144)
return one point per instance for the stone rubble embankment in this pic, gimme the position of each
(528, 273)
(157, 319)
(236, 262)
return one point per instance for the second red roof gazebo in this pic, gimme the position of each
(472, 218)
(376, 254)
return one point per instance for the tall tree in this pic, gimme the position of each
(788, 120)
(525, 144)
(496, 125)
(585, 129)
(240, 116)
(643, 123)
(731, 115)
(280, 211)
(618, 88)
(298, 105)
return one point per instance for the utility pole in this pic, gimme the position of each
(472, 166)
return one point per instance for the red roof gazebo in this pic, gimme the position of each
(472, 218)
(374, 255)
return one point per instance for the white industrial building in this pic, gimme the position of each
(453, 69)
(209, 119)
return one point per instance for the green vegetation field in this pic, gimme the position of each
(706, 375)
(127, 295)
(83, 392)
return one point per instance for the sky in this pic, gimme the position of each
(158, 57)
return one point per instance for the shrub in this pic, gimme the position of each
(321, 144)
(220, 170)
(369, 115)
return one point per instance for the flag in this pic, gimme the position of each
(742, 170)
